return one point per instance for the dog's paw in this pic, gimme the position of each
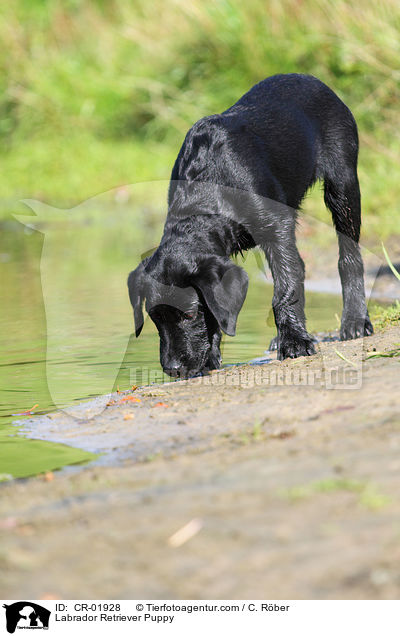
(294, 346)
(273, 345)
(356, 328)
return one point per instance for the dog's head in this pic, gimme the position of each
(190, 301)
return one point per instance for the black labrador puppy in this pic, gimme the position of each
(237, 182)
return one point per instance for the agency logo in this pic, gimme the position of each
(26, 615)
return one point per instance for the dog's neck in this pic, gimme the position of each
(211, 233)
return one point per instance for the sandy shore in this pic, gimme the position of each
(290, 470)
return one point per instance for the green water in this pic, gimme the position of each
(66, 323)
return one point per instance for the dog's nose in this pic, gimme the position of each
(173, 369)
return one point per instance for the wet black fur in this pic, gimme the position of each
(237, 182)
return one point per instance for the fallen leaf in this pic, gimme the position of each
(283, 434)
(336, 409)
(29, 411)
(49, 597)
(188, 531)
(25, 530)
(129, 416)
(162, 404)
(129, 398)
(8, 523)
(133, 388)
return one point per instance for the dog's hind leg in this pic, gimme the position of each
(287, 269)
(342, 197)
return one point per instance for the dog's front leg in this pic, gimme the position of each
(287, 269)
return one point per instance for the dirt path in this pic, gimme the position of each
(295, 486)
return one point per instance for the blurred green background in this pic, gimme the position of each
(99, 93)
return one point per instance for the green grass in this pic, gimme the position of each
(65, 172)
(369, 495)
(344, 358)
(95, 94)
(389, 262)
(393, 353)
(385, 316)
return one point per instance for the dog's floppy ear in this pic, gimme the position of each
(224, 287)
(136, 287)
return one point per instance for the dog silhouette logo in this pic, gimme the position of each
(69, 332)
(26, 615)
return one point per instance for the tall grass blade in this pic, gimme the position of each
(389, 262)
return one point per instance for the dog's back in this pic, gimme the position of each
(277, 140)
